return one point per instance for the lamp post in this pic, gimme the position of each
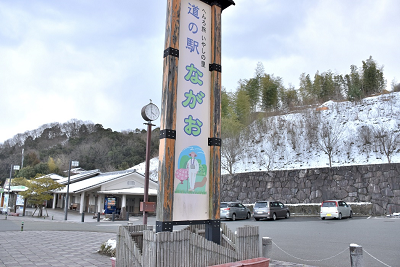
(150, 112)
(72, 163)
(13, 167)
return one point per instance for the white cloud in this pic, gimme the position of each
(102, 61)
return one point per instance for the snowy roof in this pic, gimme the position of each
(53, 176)
(95, 181)
(153, 169)
(78, 177)
(129, 191)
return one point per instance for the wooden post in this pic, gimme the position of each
(168, 118)
(212, 230)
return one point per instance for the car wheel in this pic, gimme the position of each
(340, 216)
(248, 215)
(351, 214)
(323, 218)
(257, 219)
(274, 217)
(234, 217)
(287, 215)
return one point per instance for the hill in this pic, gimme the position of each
(353, 133)
(335, 133)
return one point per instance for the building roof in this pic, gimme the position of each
(97, 181)
(78, 177)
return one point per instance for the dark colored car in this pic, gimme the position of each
(270, 210)
(234, 210)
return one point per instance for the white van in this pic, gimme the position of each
(335, 209)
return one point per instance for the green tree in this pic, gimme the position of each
(317, 87)
(39, 190)
(31, 159)
(242, 106)
(373, 80)
(252, 88)
(353, 84)
(270, 86)
(28, 172)
(225, 102)
(52, 166)
(288, 97)
(306, 89)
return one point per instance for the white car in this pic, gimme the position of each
(335, 209)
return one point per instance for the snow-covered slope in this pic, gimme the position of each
(292, 141)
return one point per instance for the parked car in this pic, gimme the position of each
(234, 210)
(270, 210)
(335, 209)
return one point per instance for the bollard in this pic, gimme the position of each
(98, 217)
(113, 216)
(266, 247)
(127, 216)
(52, 217)
(356, 255)
(83, 217)
(22, 226)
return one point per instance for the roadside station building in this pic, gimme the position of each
(93, 191)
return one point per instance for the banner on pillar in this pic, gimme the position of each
(192, 157)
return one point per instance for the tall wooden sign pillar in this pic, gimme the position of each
(190, 124)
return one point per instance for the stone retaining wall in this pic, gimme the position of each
(378, 184)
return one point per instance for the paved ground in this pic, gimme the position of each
(52, 248)
(62, 248)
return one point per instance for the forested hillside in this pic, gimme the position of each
(49, 148)
(330, 119)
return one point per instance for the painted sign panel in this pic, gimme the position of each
(193, 113)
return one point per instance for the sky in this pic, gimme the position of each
(101, 61)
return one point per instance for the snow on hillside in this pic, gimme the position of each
(291, 141)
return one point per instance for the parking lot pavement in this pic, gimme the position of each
(52, 248)
(63, 248)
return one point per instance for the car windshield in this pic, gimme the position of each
(329, 204)
(224, 205)
(261, 205)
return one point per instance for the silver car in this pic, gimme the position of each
(335, 209)
(270, 210)
(234, 210)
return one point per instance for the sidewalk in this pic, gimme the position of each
(64, 248)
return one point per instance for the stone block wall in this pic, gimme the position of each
(378, 184)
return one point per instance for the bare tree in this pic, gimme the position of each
(387, 141)
(311, 120)
(230, 151)
(329, 137)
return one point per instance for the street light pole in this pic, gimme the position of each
(75, 164)
(12, 167)
(146, 174)
(150, 112)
